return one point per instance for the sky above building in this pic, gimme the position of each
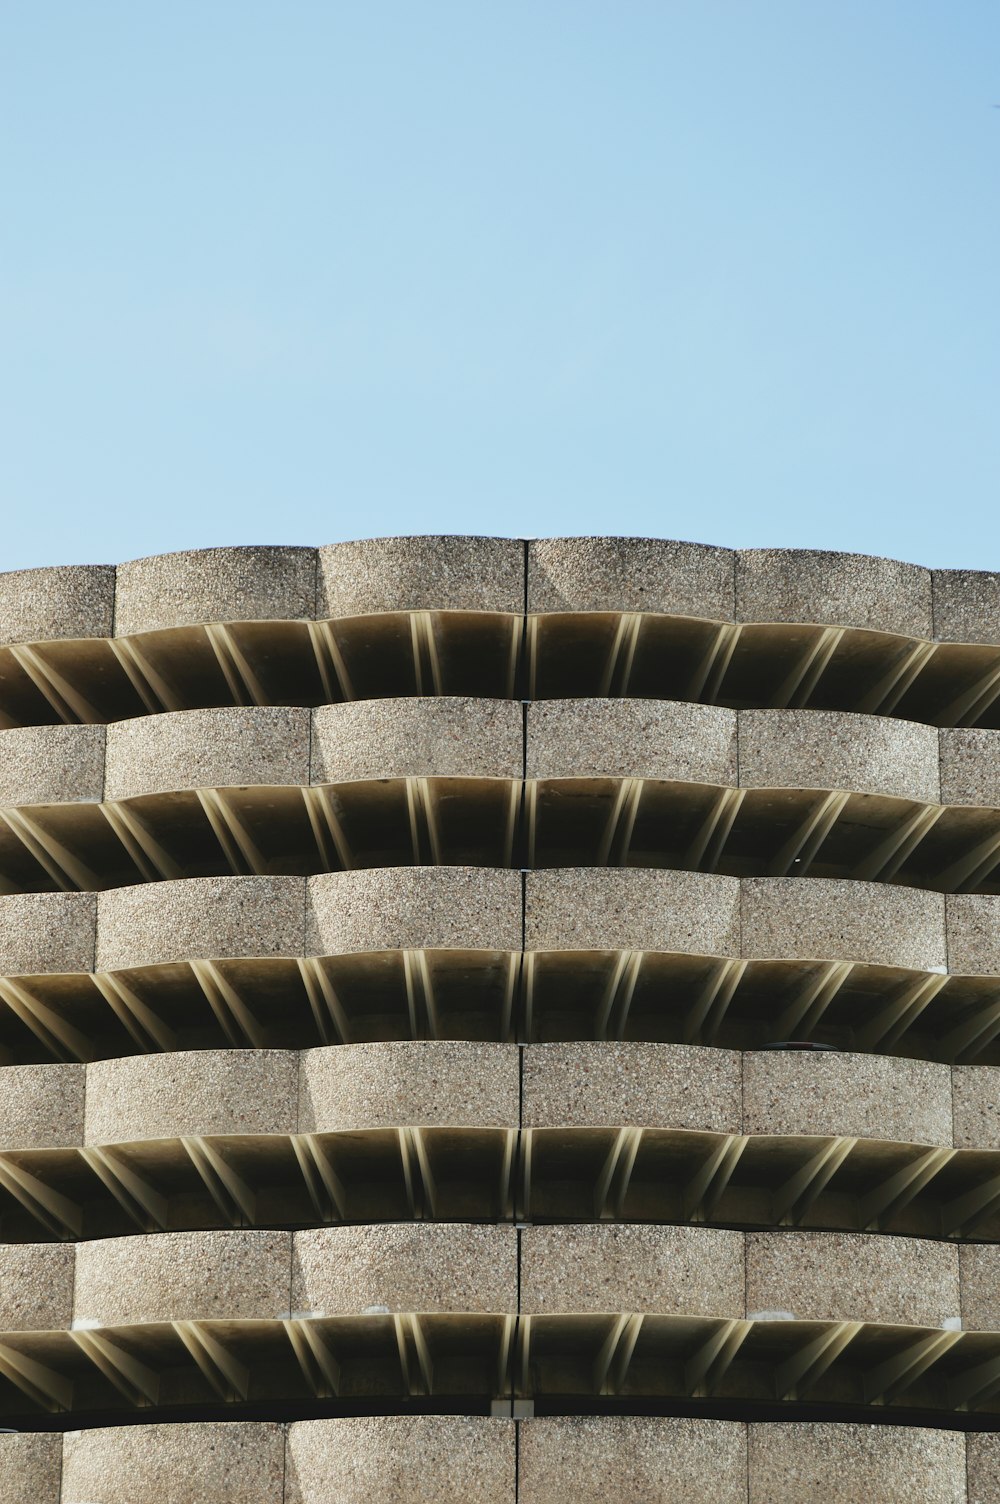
(308, 271)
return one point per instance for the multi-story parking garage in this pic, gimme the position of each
(400, 946)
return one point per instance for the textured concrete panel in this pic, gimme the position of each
(859, 1096)
(983, 1463)
(452, 737)
(51, 764)
(646, 1460)
(386, 908)
(672, 1271)
(976, 1104)
(821, 749)
(980, 1265)
(805, 1462)
(406, 1267)
(632, 739)
(840, 590)
(36, 1288)
(200, 918)
(41, 1106)
(409, 1084)
(630, 574)
(45, 932)
(833, 1276)
(973, 932)
(30, 1467)
(599, 908)
(235, 1275)
(191, 1092)
(631, 1085)
(842, 920)
(68, 600)
(421, 574)
(427, 1459)
(970, 766)
(966, 605)
(187, 1463)
(215, 585)
(208, 749)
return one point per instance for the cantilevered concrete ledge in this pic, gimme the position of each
(235, 1275)
(30, 1468)
(814, 749)
(842, 590)
(441, 1083)
(405, 1267)
(191, 1093)
(51, 764)
(860, 1464)
(227, 1464)
(831, 1276)
(389, 908)
(450, 736)
(36, 1289)
(573, 1269)
(65, 601)
(421, 574)
(595, 738)
(630, 574)
(42, 1106)
(843, 920)
(215, 585)
(857, 1096)
(454, 1459)
(596, 908)
(459, 1084)
(680, 1086)
(673, 1271)
(200, 917)
(207, 749)
(608, 575)
(47, 932)
(422, 1459)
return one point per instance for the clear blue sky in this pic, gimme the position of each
(304, 270)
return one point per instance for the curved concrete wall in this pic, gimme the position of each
(235, 1275)
(818, 749)
(597, 908)
(453, 1459)
(401, 1267)
(47, 932)
(64, 601)
(842, 590)
(51, 764)
(423, 1459)
(413, 1083)
(671, 1271)
(226, 1464)
(830, 1276)
(215, 585)
(421, 574)
(823, 918)
(652, 1085)
(389, 908)
(190, 1093)
(191, 749)
(200, 917)
(632, 739)
(450, 736)
(858, 1096)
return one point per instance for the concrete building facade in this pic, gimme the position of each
(499, 1021)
